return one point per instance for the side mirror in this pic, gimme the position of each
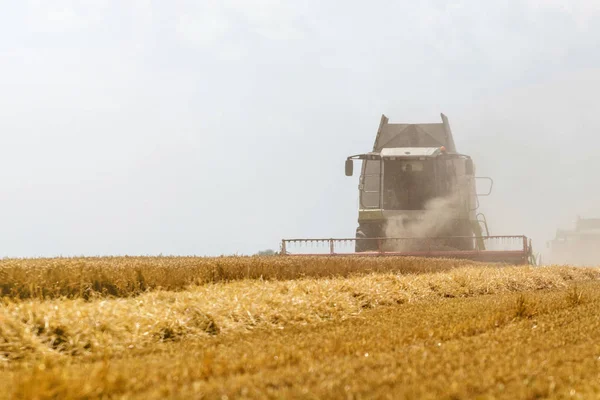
(349, 167)
(469, 169)
(490, 180)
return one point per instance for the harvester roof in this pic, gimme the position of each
(414, 135)
(584, 227)
(587, 224)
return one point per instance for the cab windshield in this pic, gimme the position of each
(408, 184)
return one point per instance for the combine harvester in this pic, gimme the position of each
(580, 246)
(417, 197)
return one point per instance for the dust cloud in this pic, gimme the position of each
(578, 252)
(435, 221)
(540, 145)
(578, 246)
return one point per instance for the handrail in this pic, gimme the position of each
(520, 253)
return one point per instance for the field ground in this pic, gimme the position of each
(462, 332)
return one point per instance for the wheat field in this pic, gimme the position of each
(280, 327)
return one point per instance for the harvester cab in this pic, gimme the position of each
(415, 192)
(417, 197)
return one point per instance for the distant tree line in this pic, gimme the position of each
(268, 252)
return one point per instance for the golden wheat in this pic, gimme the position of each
(108, 326)
(128, 276)
(339, 328)
(495, 346)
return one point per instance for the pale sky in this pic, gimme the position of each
(219, 127)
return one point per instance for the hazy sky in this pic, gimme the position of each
(218, 127)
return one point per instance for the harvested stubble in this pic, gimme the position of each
(330, 330)
(31, 329)
(128, 276)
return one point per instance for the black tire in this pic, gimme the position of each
(365, 244)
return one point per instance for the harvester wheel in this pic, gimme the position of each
(365, 244)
